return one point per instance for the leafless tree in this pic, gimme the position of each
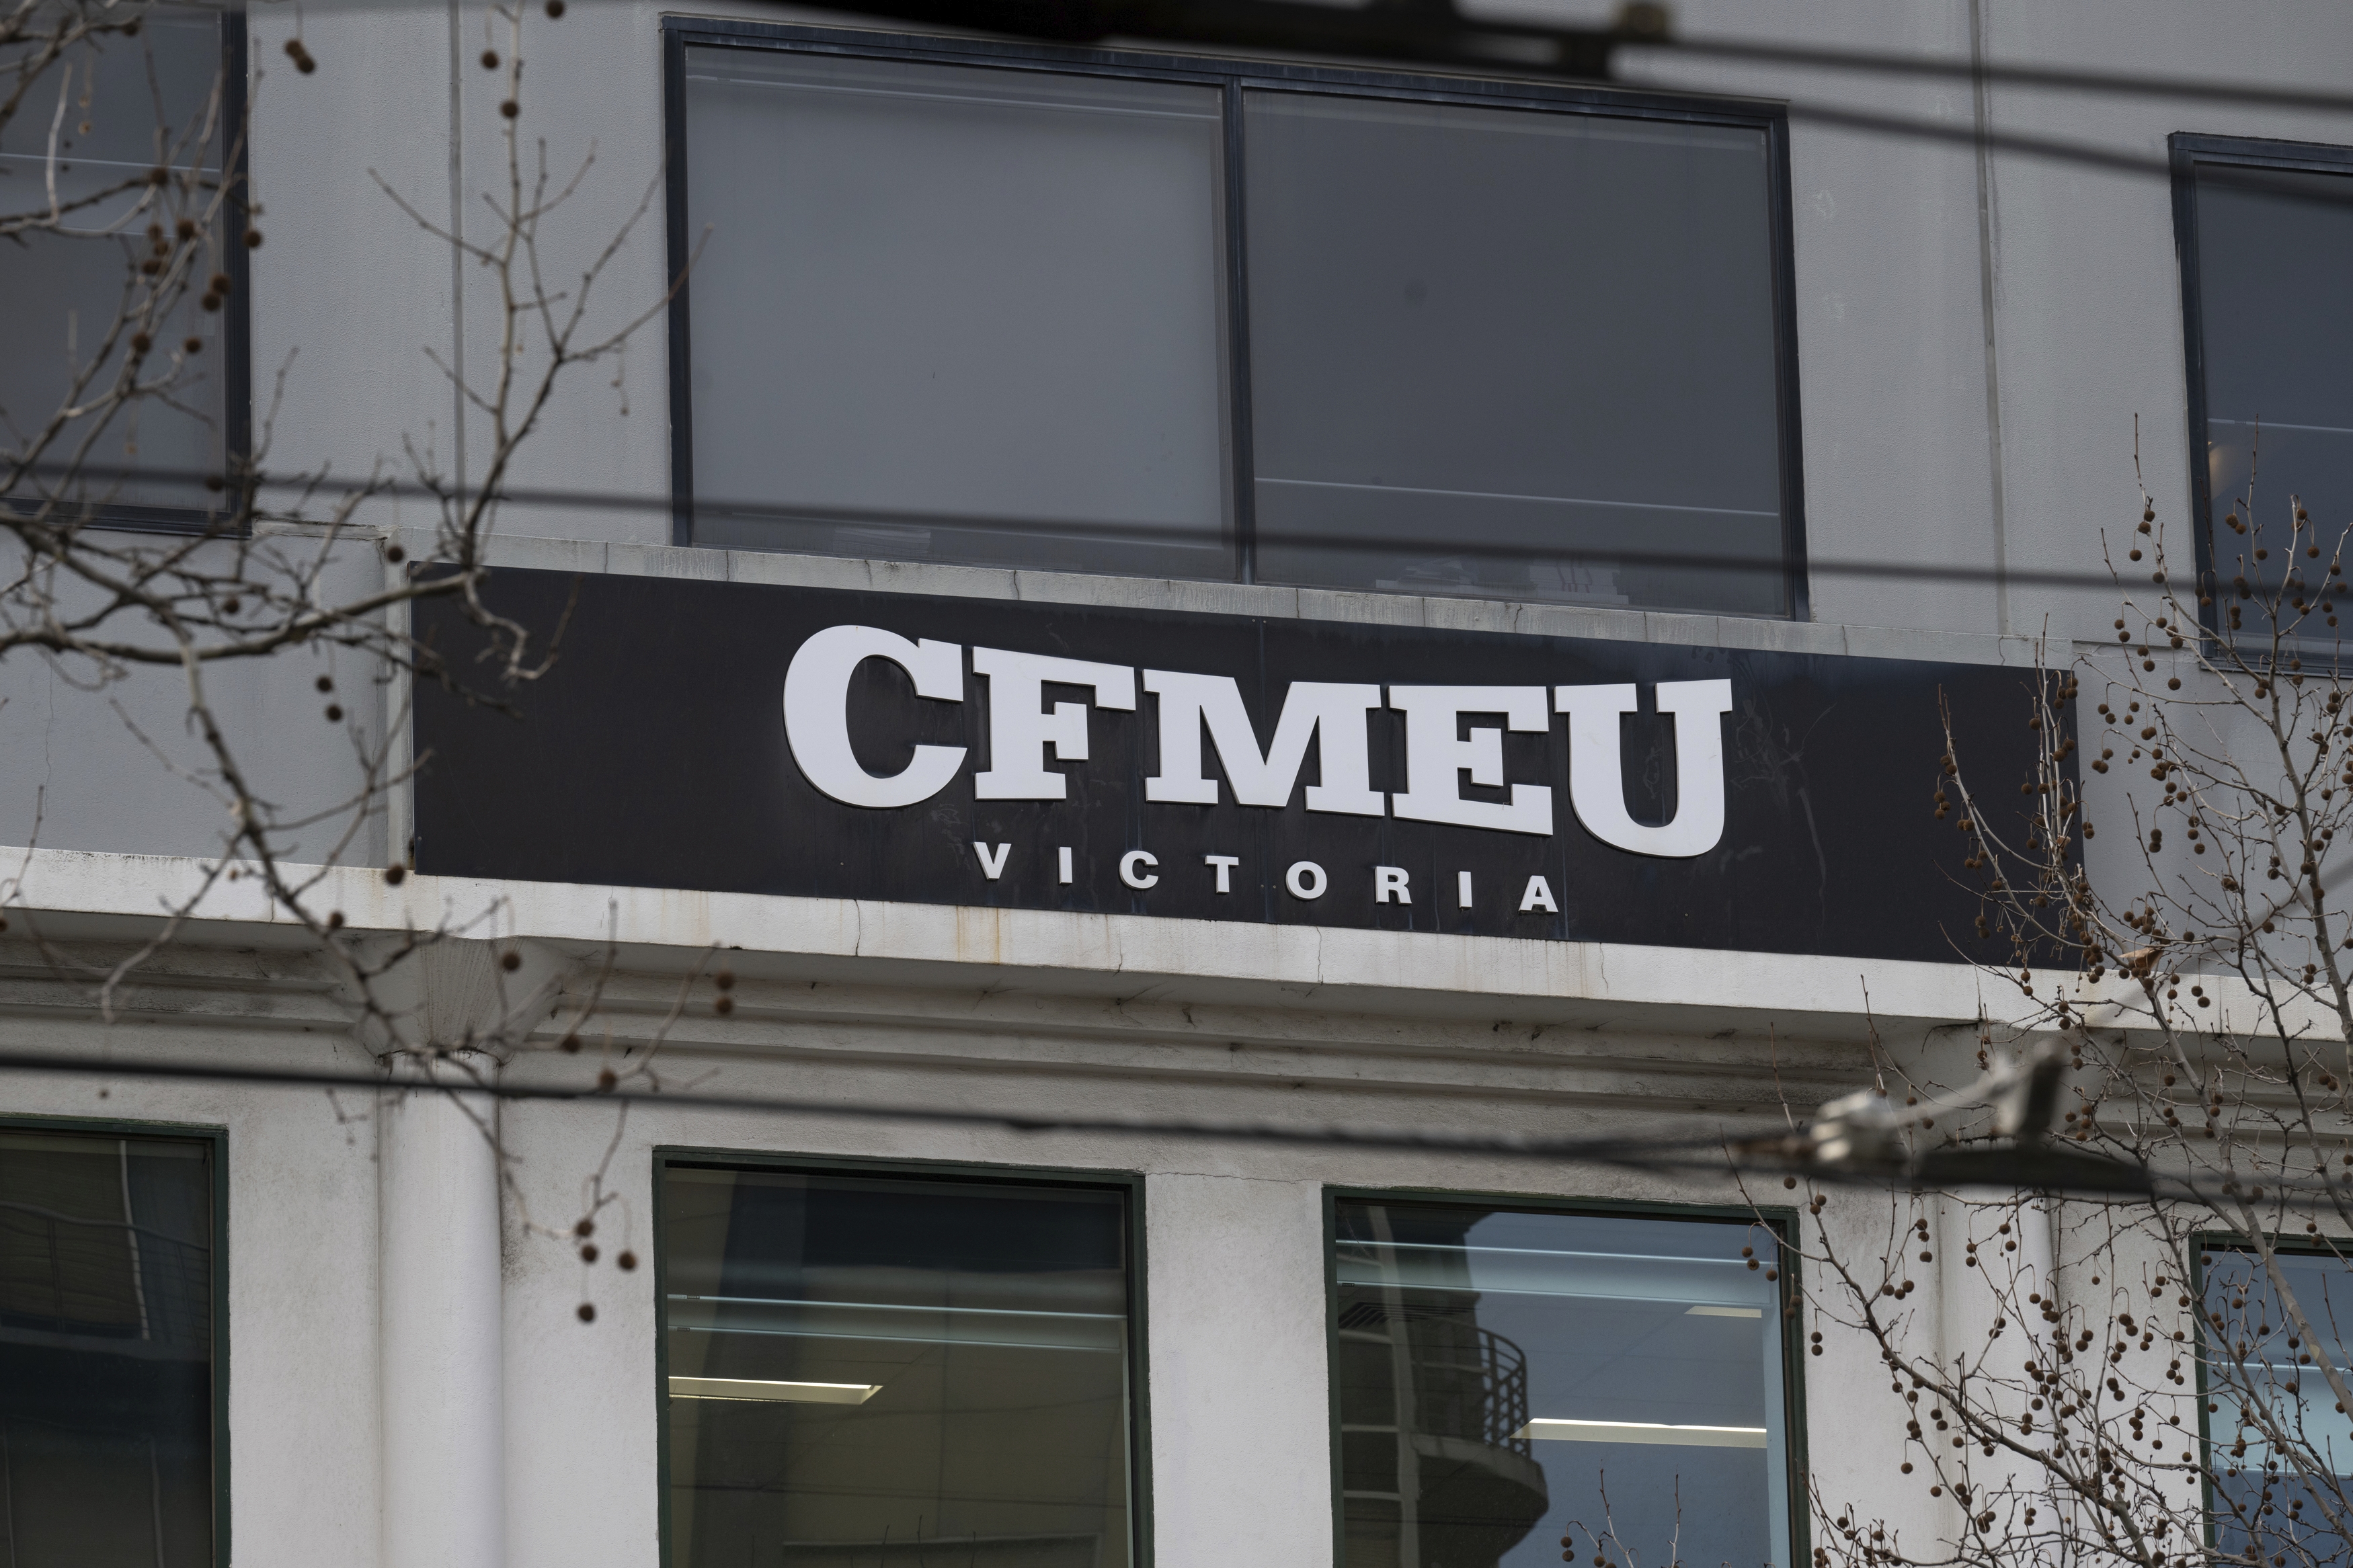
(2136, 1320)
(264, 565)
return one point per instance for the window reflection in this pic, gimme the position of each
(2275, 332)
(957, 314)
(896, 1372)
(1506, 1379)
(1511, 353)
(987, 314)
(2281, 1448)
(72, 297)
(106, 1349)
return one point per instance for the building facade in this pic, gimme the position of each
(1145, 627)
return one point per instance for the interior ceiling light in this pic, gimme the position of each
(1706, 1311)
(769, 1390)
(1645, 1432)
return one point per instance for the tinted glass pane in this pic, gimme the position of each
(2261, 1375)
(895, 1372)
(106, 1398)
(71, 297)
(1499, 1372)
(2276, 323)
(956, 313)
(1491, 349)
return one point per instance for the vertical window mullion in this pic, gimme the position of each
(236, 346)
(1244, 477)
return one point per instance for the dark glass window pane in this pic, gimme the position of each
(71, 297)
(897, 1372)
(2274, 251)
(1493, 348)
(956, 313)
(106, 1350)
(1500, 1372)
(2254, 1375)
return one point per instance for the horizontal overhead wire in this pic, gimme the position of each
(1645, 1152)
(2042, 1166)
(1442, 37)
(264, 484)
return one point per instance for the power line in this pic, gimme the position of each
(1433, 32)
(2028, 1164)
(1638, 1153)
(2054, 78)
(1180, 537)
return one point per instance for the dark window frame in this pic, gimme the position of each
(2186, 151)
(1779, 1218)
(1233, 77)
(217, 1140)
(1129, 1184)
(2208, 1349)
(237, 318)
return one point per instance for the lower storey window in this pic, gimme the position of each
(895, 1372)
(1507, 1378)
(107, 1414)
(2280, 1447)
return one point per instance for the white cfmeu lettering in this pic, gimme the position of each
(1029, 740)
(1332, 714)
(1597, 785)
(1389, 883)
(1131, 872)
(1437, 755)
(1020, 728)
(817, 713)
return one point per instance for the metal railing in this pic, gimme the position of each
(1469, 1382)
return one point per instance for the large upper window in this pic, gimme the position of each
(1040, 308)
(892, 1370)
(1505, 1379)
(2265, 230)
(121, 271)
(107, 1399)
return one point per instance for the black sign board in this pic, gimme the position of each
(743, 738)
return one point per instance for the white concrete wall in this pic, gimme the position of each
(1976, 338)
(304, 1392)
(1237, 1319)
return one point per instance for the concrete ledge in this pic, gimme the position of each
(1596, 985)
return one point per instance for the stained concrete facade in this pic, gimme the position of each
(1983, 336)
